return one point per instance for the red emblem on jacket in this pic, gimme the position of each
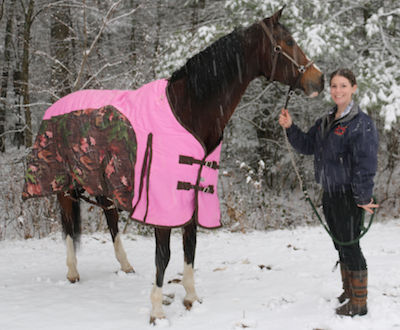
(340, 130)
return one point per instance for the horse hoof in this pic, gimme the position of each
(129, 270)
(73, 279)
(157, 320)
(188, 304)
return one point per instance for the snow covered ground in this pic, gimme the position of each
(262, 280)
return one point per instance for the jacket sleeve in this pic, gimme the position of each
(304, 143)
(364, 149)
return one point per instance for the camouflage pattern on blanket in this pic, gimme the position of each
(94, 149)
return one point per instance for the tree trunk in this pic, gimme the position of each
(19, 135)
(25, 72)
(157, 36)
(195, 19)
(1, 9)
(5, 74)
(60, 50)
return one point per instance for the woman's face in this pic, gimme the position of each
(342, 91)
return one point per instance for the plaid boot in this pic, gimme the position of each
(358, 298)
(345, 283)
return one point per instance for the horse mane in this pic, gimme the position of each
(210, 72)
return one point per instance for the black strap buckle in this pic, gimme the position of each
(184, 185)
(190, 161)
(211, 164)
(208, 190)
(187, 186)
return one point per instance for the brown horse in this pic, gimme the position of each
(203, 95)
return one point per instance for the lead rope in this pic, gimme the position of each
(363, 229)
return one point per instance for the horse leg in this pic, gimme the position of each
(163, 254)
(111, 214)
(189, 248)
(71, 224)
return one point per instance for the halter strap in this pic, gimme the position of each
(278, 50)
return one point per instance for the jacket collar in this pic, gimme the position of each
(352, 112)
(329, 121)
(345, 112)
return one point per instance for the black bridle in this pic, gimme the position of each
(277, 49)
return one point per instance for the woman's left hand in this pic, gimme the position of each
(369, 207)
(285, 120)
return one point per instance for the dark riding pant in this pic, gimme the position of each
(344, 217)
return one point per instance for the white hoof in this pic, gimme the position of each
(73, 278)
(188, 284)
(157, 312)
(72, 275)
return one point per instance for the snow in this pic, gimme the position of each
(263, 280)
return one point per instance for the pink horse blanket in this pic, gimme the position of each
(126, 145)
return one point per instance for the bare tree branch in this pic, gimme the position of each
(387, 45)
(124, 15)
(88, 52)
(93, 77)
(331, 18)
(393, 12)
(106, 22)
(56, 61)
(269, 86)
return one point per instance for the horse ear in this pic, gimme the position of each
(276, 17)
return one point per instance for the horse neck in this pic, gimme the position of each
(207, 119)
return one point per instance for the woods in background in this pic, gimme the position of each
(51, 48)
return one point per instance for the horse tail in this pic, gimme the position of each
(77, 223)
(71, 215)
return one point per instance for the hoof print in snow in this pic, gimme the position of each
(268, 267)
(290, 246)
(219, 269)
(168, 299)
(244, 324)
(175, 280)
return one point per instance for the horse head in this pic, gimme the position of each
(283, 60)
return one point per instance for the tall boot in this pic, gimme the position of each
(358, 299)
(345, 283)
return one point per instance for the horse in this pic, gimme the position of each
(203, 95)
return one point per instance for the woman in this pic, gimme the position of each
(344, 144)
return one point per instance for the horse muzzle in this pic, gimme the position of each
(313, 83)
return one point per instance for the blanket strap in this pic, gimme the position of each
(145, 174)
(190, 161)
(187, 186)
(88, 200)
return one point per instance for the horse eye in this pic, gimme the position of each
(290, 42)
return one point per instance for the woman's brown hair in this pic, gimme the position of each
(348, 74)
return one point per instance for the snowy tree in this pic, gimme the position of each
(70, 45)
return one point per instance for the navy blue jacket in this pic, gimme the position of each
(345, 152)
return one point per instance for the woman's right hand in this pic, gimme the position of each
(285, 120)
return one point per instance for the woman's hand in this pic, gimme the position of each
(285, 120)
(369, 207)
